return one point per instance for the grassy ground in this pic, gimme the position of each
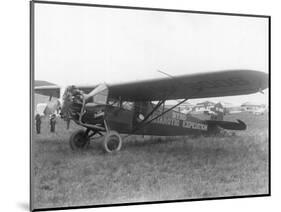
(148, 169)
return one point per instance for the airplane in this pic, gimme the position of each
(139, 107)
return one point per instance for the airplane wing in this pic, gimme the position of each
(48, 90)
(192, 86)
(57, 91)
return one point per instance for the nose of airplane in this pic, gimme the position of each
(65, 103)
(72, 101)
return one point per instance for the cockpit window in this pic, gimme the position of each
(122, 104)
(114, 102)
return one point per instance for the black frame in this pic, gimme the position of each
(33, 2)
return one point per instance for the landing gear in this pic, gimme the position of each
(79, 140)
(112, 142)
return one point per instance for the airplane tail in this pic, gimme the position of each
(227, 125)
(217, 120)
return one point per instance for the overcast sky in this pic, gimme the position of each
(88, 45)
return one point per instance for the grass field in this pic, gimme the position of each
(150, 169)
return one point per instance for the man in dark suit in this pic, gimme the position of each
(38, 123)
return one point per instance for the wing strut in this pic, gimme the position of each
(152, 111)
(159, 104)
(155, 108)
(166, 111)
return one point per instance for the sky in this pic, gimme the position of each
(88, 45)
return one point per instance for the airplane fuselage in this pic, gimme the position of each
(104, 113)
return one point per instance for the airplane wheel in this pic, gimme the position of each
(78, 140)
(112, 142)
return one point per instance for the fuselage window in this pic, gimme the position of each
(114, 102)
(128, 105)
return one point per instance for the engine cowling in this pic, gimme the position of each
(72, 103)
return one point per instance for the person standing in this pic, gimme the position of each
(38, 123)
(67, 123)
(53, 123)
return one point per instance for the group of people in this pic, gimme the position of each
(52, 122)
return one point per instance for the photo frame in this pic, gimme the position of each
(109, 49)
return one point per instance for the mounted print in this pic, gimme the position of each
(144, 105)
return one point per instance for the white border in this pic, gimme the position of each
(14, 16)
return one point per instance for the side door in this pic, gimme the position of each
(119, 118)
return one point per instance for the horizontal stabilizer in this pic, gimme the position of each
(239, 125)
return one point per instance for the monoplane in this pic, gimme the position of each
(139, 108)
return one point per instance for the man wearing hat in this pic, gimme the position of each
(52, 123)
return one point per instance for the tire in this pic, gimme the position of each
(112, 142)
(78, 140)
